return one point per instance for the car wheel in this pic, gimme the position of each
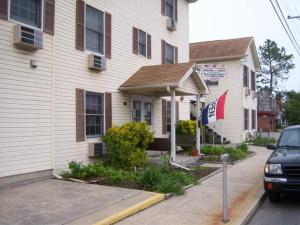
(274, 197)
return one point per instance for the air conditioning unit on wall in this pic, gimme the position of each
(96, 62)
(247, 91)
(28, 39)
(171, 24)
(95, 150)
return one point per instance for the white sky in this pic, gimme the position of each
(223, 19)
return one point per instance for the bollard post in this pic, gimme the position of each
(224, 158)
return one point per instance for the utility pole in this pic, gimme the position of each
(293, 17)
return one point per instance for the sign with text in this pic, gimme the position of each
(213, 72)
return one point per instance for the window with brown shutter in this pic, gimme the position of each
(164, 115)
(49, 14)
(253, 81)
(108, 35)
(80, 6)
(80, 114)
(246, 119)
(163, 7)
(135, 40)
(163, 52)
(108, 110)
(176, 10)
(148, 46)
(3, 9)
(176, 55)
(246, 77)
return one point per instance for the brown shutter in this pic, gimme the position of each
(3, 9)
(148, 46)
(80, 25)
(163, 7)
(80, 127)
(163, 52)
(108, 111)
(108, 35)
(135, 40)
(49, 13)
(176, 54)
(177, 111)
(164, 116)
(176, 10)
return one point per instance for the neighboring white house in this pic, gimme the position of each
(63, 72)
(240, 58)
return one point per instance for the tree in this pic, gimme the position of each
(292, 107)
(275, 63)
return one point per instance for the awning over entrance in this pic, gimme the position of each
(159, 79)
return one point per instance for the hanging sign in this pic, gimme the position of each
(213, 72)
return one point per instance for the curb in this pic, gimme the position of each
(132, 210)
(253, 209)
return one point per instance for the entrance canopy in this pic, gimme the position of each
(158, 80)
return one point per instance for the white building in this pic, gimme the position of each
(63, 69)
(240, 58)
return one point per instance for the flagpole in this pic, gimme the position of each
(222, 132)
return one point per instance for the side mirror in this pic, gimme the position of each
(271, 147)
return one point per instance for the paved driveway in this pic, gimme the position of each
(62, 202)
(285, 212)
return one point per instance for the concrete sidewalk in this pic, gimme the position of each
(202, 204)
(63, 202)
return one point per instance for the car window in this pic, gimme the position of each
(290, 137)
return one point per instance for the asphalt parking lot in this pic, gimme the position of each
(285, 212)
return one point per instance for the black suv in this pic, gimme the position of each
(282, 169)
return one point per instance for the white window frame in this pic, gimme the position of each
(90, 137)
(146, 51)
(143, 100)
(173, 9)
(87, 50)
(24, 24)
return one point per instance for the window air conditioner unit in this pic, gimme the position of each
(95, 150)
(96, 62)
(254, 94)
(27, 38)
(171, 24)
(247, 91)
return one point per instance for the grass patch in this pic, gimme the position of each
(262, 141)
(161, 179)
(235, 154)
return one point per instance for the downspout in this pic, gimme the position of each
(173, 131)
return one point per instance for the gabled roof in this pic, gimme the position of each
(157, 78)
(222, 50)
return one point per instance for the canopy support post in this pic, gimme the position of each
(173, 124)
(198, 130)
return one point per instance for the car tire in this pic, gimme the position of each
(273, 197)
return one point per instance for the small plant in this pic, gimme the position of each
(186, 127)
(127, 144)
(262, 141)
(244, 147)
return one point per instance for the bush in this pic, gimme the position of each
(186, 127)
(127, 144)
(262, 141)
(243, 147)
(213, 153)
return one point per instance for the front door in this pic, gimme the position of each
(142, 110)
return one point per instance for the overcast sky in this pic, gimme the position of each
(223, 19)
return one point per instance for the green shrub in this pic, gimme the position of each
(127, 144)
(263, 141)
(213, 153)
(243, 147)
(186, 127)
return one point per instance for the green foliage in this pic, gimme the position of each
(186, 127)
(213, 153)
(127, 144)
(292, 107)
(275, 63)
(161, 179)
(262, 141)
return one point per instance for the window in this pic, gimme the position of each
(148, 113)
(94, 29)
(246, 77)
(170, 59)
(246, 119)
(168, 116)
(142, 43)
(94, 108)
(253, 81)
(137, 111)
(253, 119)
(170, 8)
(27, 11)
(290, 137)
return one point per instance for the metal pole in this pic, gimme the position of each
(224, 158)
(198, 132)
(222, 132)
(173, 130)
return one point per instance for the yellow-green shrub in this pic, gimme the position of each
(186, 127)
